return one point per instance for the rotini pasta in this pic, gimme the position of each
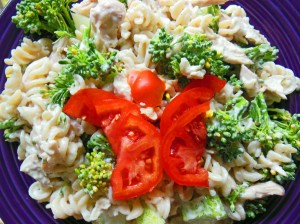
(235, 26)
(278, 80)
(29, 51)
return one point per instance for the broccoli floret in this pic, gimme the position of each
(288, 125)
(261, 54)
(94, 175)
(235, 82)
(255, 208)
(203, 209)
(59, 91)
(167, 54)
(267, 133)
(38, 16)
(101, 65)
(100, 142)
(228, 129)
(149, 217)
(274, 125)
(10, 126)
(289, 168)
(215, 11)
(160, 47)
(197, 50)
(235, 195)
(85, 60)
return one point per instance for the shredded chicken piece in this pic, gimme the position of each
(232, 53)
(250, 81)
(106, 19)
(262, 190)
(191, 71)
(32, 165)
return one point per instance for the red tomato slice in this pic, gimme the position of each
(183, 147)
(209, 81)
(181, 160)
(138, 169)
(110, 114)
(81, 104)
(135, 141)
(181, 103)
(146, 87)
(107, 110)
(193, 123)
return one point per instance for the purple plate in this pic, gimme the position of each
(278, 20)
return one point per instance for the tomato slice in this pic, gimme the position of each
(81, 104)
(181, 103)
(182, 160)
(111, 114)
(135, 141)
(138, 169)
(146, 87)
(209, 81)
(193, 122)
(112, 109)
(183, 147)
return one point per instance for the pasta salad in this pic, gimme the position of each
(152, 111)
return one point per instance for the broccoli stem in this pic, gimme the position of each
(40, 16)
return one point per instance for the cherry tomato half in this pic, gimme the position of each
(146, 87)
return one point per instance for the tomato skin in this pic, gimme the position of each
(146, 87)
(209, 81)
(139, 167)
(181, 103)
(183, 147)
(81, 104)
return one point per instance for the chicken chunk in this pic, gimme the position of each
(232, 53)
(250, 81)
(106, 19)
